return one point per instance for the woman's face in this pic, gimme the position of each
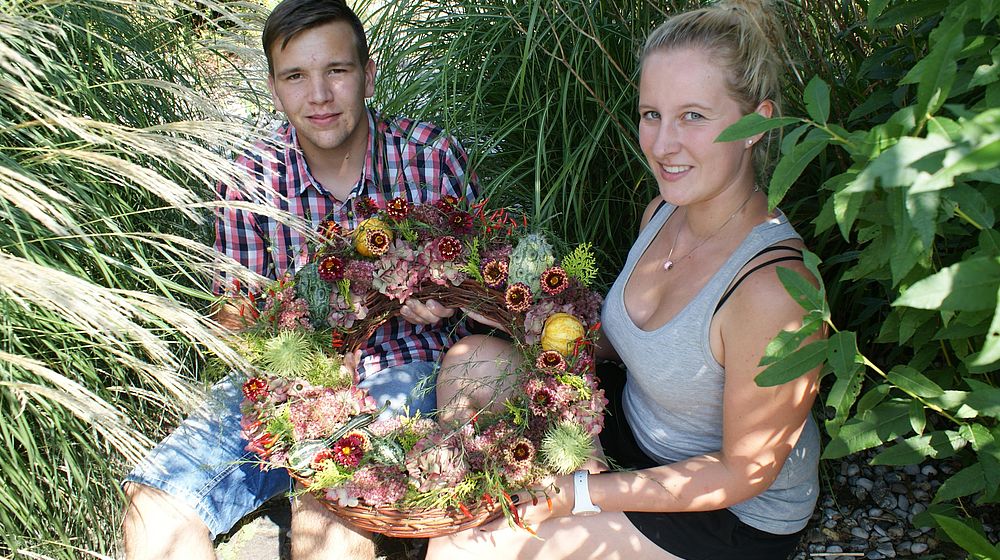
(684, 104)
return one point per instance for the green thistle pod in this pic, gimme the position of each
(528, 260)
(287, 354)
(315, 291)
(565, 447)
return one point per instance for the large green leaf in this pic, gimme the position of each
(817, 98)
(917, 449)
(791, 166)
(984, 398)
(970, 285)
(871, 428)
(963, 483)
(973, 204)
(794, 365)
(958, 162)
(754, 123)
(802, 291)
(895, 166)
(935, 73)
(968, 538)
(842, 354)
(788, 341)
(918, 417)
(990, 352)
(914, 382)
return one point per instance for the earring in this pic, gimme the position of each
(749, 142)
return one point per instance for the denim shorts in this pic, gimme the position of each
(203, 463)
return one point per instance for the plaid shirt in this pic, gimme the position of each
(405, 158)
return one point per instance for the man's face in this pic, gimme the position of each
(321, 86)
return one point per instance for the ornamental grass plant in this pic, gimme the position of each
(109, 145)
(105, 117)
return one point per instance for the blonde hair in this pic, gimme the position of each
(746, 36)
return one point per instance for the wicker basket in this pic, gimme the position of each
(411, 523)
(423, 522)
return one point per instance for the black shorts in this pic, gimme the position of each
(702, 535)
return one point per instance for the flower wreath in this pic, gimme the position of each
(303, 412)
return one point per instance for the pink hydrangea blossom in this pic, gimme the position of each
(436, 461)
(399, 272)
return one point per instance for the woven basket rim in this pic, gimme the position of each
(421, 522)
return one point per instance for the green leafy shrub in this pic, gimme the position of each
(912, 198)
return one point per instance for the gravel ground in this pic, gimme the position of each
(864, 512)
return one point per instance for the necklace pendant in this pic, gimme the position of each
(668, 264)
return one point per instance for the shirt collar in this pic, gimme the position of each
(367, 180)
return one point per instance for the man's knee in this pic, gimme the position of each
(319, 533)
(152, 515)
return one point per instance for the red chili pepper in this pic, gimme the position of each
(596, 327)
(548, 501)
(337, 340)
(534, 500)
(516, 516)
(465, 510)
(489, 499)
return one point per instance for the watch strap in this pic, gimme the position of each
(581, 495)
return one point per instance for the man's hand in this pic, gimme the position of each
(425, 313)
(349, 366)
(228, 315)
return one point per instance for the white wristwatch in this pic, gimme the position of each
(581, 495)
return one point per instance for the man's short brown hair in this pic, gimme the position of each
(292, 17)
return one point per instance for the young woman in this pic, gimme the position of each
(717, 467)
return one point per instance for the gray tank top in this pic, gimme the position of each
(673, 392)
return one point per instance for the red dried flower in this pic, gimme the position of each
(255, 389)
(460, 222)
(397, 208)
(447, 203)
(494, 273)
(349, 449)
(449, 248)
(518, 297)
(551, 359)
(365, 207)
(321, 457)
(554, 280)
(377, 241)
(331, 268)
(520, 451)
(328, 229)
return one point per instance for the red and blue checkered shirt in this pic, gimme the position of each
(405, 158)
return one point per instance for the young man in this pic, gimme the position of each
(332, 152)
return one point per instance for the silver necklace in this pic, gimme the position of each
(669, 264)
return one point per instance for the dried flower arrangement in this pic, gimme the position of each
(411, 476)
